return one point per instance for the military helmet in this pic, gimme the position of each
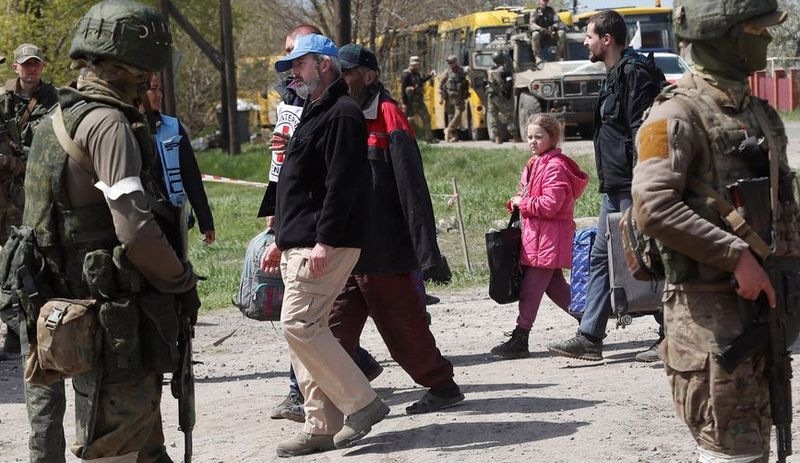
(125, 31)
(703, 20)
(499, 57)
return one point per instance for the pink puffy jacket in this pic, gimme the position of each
(549, 186)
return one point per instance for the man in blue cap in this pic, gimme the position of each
(318, 234)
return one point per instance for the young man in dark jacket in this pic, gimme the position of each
(399, 238)
(628, 90)
(319, 234)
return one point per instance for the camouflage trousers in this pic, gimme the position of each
(416, 108)
(455, 109)
(501, 115)
(11, 204)
(127, 420)
(727, 413)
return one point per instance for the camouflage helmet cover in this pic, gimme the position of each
(711, 19)
(124, 31)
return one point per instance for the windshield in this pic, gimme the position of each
(485, 35)
(671, 65)
(656, 31)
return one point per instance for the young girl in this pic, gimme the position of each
(550, 184)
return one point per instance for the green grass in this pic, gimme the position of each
(790, 115)
(486, 180)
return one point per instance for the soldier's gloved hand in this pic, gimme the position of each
(189, 305)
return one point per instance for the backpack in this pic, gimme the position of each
(260, 294)
(579, 276)
(641, 252)
(649, 65)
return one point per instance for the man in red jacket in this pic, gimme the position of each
(399, 238)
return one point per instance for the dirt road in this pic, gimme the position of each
(541, 409)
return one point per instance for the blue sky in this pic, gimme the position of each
(593, 4)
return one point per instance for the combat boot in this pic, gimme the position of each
(516, 347)
(305, 444)
(498, 139)
(11, 346)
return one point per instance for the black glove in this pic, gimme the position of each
(189, 303)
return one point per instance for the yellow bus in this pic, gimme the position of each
(653, 23)
(463, 37)
(251, 88)
(433, 42)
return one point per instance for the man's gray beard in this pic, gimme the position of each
(305, 89)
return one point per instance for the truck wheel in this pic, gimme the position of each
(528, 106)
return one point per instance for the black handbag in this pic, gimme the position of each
(502, 252)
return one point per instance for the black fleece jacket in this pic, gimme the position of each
(319, 192)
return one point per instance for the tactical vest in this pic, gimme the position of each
(501, 82)
(455, 82)
(729, 164)
(168, 141)
(80, 245)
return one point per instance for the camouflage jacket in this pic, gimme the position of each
(674, 145)
(19, 110)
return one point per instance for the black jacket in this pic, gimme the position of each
(318, 195)
(400, 231)
(625, 95)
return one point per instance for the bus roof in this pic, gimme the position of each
(479, 20)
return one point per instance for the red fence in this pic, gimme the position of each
(780, 88)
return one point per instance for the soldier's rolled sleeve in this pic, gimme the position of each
(112, 146)
(668, 147)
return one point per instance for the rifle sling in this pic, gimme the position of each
(763, 121)
(737, 223)
(68, 144)
(27, 114)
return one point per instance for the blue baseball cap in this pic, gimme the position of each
(305, 44)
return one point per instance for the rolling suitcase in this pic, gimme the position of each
(629, 297)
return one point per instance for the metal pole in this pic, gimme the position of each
(226, 23)
(461, 225)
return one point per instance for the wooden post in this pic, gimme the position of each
(169, 106)
(461, 225)
(229, 89)
(343, 21)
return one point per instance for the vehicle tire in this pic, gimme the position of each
(528, 105)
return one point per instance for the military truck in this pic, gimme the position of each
(566, 88)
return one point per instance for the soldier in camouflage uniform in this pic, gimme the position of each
(413, 84)
(544, 26)
(23, 102)
(454, 91)
(87, 199)
(500, 92)
(707, 265)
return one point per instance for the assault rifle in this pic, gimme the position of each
(769, 329)
(182, 383)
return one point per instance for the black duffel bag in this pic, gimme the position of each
(502, 252)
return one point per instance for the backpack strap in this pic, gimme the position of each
(766, 127)
(68, 144)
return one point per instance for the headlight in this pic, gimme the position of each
(548, 90)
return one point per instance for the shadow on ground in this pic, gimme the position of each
(455, 437)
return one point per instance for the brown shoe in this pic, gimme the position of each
(359, 424)
(497, 139)
(305, 444)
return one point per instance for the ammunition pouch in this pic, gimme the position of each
(139, 324)
(68, 341)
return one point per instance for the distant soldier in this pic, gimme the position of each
(23, 102)
(454, 91)
(544, 26)
(500, 92)
(413, 96)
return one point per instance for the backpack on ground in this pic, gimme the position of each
(260, 294)
(579, 275)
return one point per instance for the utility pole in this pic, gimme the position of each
(344, 26)
(229, 81)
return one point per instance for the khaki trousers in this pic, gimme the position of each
(330, 381)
